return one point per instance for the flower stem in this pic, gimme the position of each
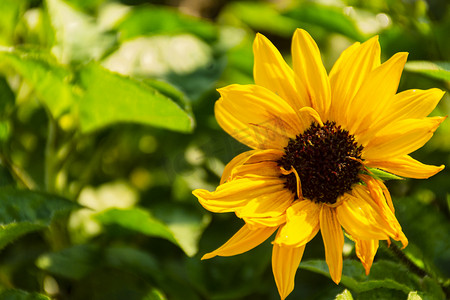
(413, 267)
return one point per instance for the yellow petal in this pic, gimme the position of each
(259, 163)
(376, 197)
(401, 138)
(232, 196)
(310, 71)
(285, 261)
(271, 206)
(366, 250)
(243, 241)
(406, 166)
(333, 240)
(256, 117)
(348, 73)
(302, 224)
(236, 161)
(360, 219)
(411, 104)
(375, 93)
(256, 222)
(272, 72)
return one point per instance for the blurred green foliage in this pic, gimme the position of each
(107, 125)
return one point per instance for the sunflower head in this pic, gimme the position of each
(314, 138)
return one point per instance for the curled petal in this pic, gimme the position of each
(244, 240)
(236, 161)
(302, 224)
(333, 240)
(360, 219)
(285, 261)
(234, 195)
(366, 250)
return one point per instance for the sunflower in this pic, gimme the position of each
(315, 139)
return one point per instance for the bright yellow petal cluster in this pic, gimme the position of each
(360, 95)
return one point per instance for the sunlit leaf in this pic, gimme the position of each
(436, 69)
(49, 79)
(151, 20)
(138, 220)
(23, 211)
(345, 295)
(78, 37)
(186, 225)
(21, 295)
(111, 98)
(74, 263)
(183, 60)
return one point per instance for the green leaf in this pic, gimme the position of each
(383, 175)
(138, 220)
(186, 225)
(49, 79)
(414, 296)
(133, 260)
(73, 263)
(183, 60)
(111, 98)
(78, 37)
(263, 16)
(437, 69)
(345, 295)
(330, 18)
(24, 211)
(267, 17)
(21, 295)
(151, 20)
(10, 14)
(353, 275)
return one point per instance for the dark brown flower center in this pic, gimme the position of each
(327, 160)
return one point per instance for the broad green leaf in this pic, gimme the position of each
(383, 175)
(12, 231)
(78, 37)
(138, 220)
(49, 79)
(23, 211)
(74, 263)
(133, 260)
(353, 276)
(183, 60)
(345, 295)
(151, 20)
(186, 225)
(330, 18)
(436, 69)
(110, 98)
(262, 16)
(284, 22)
(21, 295)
